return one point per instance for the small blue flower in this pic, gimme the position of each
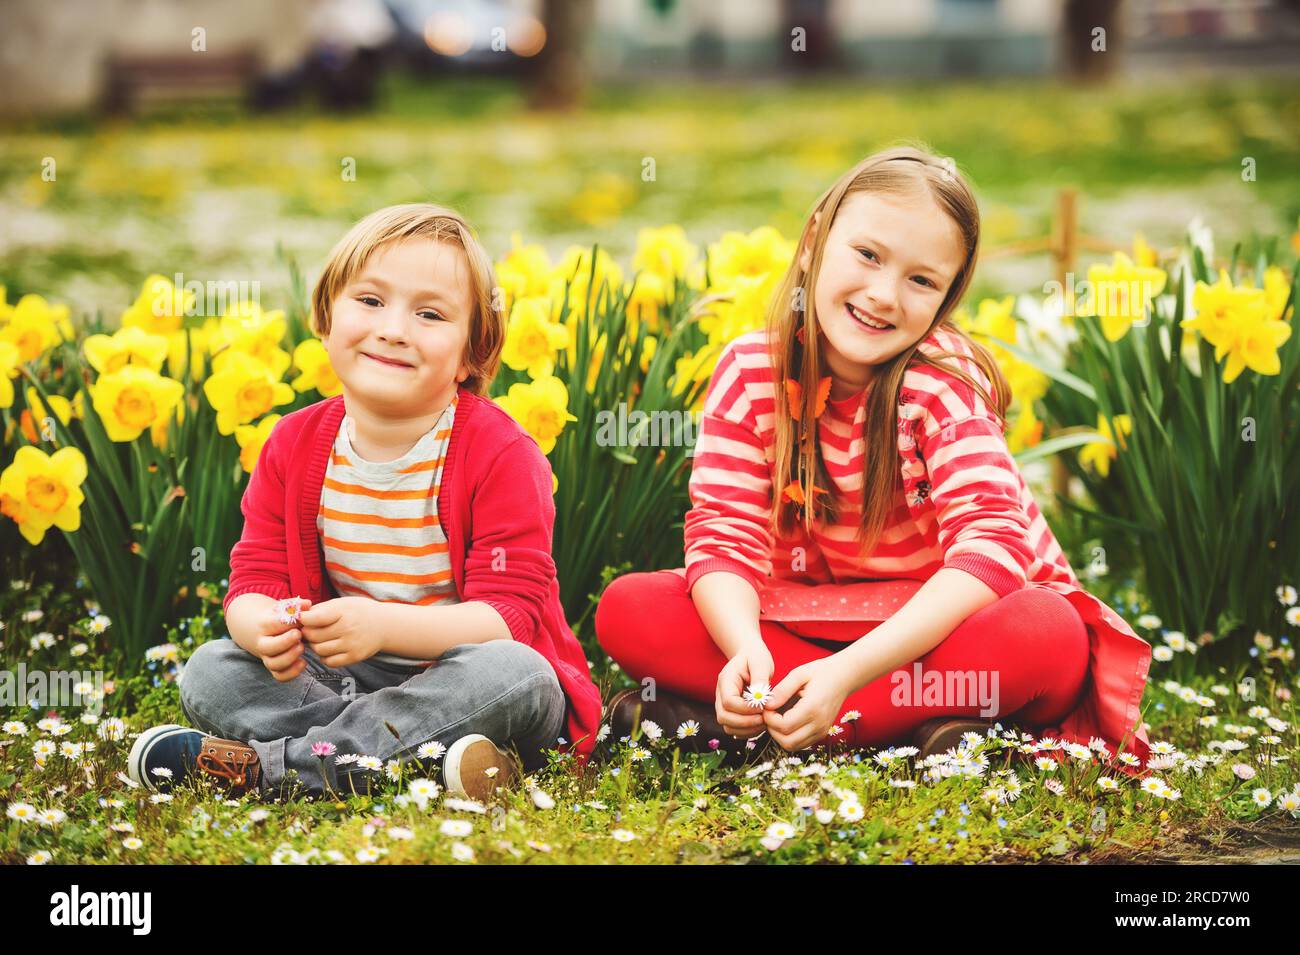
(615, 771)
(938, 812)
(933, 839)
(1002, 823)
(962, 833)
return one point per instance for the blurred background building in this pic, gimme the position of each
(124, 54)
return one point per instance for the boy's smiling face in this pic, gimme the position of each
(887, 265)
(409, 303)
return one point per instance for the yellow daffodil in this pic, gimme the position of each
(602, 200)
(244, 389)
(541, 407)
(35, 411)
(525, 273)
(1218, 310)
(1241, 323)
(1099, 454)
(532, 339)
(131, 345)
(197, 341)
(251, 438)
(694, 367)
(1277, 289)
(994, 320)
(762, 252)
(742, 309)
(1256, 346)
(1121, 293)
(160, 307)
(158, 432)
(35, 326)
(9, 361)
(575, 267)
(1026, 432)
(313, 360)
(40, 491)
(1143, 254)
(665, 253)
(251, 331)
(648, 299)
(131, 399)
(595, 359)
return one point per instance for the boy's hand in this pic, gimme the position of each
(344, 630)
(279, 646)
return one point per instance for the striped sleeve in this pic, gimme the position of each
(730, 486)
(971, 480)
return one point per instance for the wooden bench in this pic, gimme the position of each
(140, 81)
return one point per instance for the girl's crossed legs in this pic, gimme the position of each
(1026, 654)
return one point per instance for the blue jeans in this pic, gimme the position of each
(502, 689)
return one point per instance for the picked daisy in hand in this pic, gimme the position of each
(757, 695)
(287, 610)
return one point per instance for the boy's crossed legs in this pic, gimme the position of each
(500, 689)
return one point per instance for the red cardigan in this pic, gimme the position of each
(495, 493)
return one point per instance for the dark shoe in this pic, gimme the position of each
(627, 711)
(163, 757)
(945, 732)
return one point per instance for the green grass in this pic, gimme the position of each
(673, 808)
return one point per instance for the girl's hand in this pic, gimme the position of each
(821, 697)
(751, 666)
(344, 630)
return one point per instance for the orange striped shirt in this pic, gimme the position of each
(378, 523)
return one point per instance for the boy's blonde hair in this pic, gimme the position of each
(487, 331)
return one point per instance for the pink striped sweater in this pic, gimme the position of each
(963, 503)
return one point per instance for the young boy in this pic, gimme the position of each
(416, 515)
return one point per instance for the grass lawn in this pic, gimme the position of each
(643, 801)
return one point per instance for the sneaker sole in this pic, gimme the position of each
(947, 734)
(145, 742)
(465, 765)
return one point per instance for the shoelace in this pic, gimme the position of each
(234, 767)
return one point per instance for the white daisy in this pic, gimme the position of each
(461, 852)
(757, 695)
(780, 830)
(623, 835)
(688, 728)
(23, 812)
(430, 750)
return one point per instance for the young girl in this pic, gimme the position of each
(416, 517)
(859, 533)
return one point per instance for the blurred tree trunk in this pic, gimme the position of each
(1080, 19)
(816, 49)
(560, 80)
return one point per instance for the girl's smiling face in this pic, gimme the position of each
(886, 268)
(410, 304)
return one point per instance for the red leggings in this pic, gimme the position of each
(1032, 639)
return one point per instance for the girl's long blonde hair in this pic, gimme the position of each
(900, 171)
